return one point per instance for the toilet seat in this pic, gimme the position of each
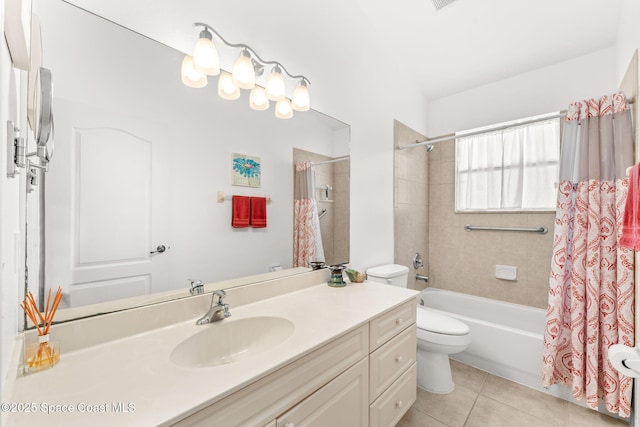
(431, 321)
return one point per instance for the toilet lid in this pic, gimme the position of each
(430, 320)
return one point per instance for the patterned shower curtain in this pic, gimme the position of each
(307, 240)
(591, 286)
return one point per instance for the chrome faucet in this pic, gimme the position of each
(218, 310)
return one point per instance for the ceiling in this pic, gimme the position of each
(440, 52)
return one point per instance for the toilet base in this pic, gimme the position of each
(434, 372)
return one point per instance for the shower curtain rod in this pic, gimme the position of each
(337, 159)
(451, 136)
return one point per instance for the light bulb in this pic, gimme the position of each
(283, 109)
(226, 88)
(190, 76)
(258, 99)
(243, 74)
(275, 85)
(300, 99)
(205, 55)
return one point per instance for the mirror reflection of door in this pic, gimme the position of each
(111, 177)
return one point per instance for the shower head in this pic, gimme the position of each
(428, 147)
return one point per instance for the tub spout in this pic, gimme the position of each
(422, 277)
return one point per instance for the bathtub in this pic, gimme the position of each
(506, 339)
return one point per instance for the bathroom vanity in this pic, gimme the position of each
(327, 356)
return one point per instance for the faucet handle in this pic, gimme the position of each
(197, 287)
(220, 294)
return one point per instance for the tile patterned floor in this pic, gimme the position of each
(484, 400)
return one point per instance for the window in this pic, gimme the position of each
(512, 169)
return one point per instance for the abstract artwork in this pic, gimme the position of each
(245, 170)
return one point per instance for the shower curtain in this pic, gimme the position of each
(591, 286)
(307, 240)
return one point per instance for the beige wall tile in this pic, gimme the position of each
(458, 260)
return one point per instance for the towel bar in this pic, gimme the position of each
(221, 197)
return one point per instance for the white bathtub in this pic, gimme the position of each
(506, 339)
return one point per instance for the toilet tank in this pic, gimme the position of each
(391, 274)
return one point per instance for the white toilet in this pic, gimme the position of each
(438, 335)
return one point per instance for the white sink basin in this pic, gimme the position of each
(229, 341)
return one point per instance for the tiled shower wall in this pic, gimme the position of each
(464, 261)
(456, 259)
(411, 219)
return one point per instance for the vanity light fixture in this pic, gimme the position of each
(205, 55)
(275, 85)
(243, 73)
(300, 98)
(258, 98)
(227, 89)
(246, 73)
(190, 76)
(283, 109)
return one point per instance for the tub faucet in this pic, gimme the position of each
(422, 277)
(218, 310)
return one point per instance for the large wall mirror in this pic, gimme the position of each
(139, 161)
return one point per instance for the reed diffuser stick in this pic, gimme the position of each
(44, 356)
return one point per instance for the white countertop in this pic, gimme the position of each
(137, 373)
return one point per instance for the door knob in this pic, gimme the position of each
(159, 250)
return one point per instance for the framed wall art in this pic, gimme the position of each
(245, 170)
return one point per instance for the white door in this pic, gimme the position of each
(106, 206)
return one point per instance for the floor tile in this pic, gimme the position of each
(485, 400)
(451, 409)
(467, 376)
(525, 399)
(585, 417)
(415, 418)
(491, 413)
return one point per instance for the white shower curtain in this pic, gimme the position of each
(307, 240)
(591, 286)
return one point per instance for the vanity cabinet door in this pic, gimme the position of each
(341, 403)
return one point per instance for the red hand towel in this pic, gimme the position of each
(258, 212)
(240, 209)
(630, 237)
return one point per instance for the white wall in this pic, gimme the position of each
(539, 91)
(10, 250)
(628, 35)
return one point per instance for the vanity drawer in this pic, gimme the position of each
(395, 402)
(388, 325)
(391, 360)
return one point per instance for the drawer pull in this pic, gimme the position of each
(399, 404)
(399, 321)
(399, 358)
